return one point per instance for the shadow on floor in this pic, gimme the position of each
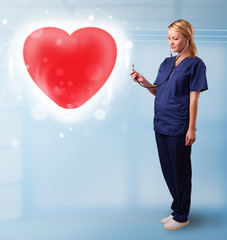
(198, 219)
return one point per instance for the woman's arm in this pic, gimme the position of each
(140, 78)
(193, 109)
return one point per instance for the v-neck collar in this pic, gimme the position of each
(180, 62)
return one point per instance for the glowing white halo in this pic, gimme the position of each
(22, 80)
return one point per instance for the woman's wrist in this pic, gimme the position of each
(192, 129)
(146, 83)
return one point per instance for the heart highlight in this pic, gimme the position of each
(70, 69)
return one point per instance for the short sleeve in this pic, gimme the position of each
(198, 80)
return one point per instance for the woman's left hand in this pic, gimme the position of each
(190, 137)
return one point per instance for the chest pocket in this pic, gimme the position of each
(162, 75)
(179, 83)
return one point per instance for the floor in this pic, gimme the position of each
(203, 225)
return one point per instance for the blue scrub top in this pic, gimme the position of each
(172, 98)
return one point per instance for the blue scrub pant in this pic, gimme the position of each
(176, 167)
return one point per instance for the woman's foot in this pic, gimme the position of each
(174, 225)
(167, 219)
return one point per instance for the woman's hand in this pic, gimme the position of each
(190, 137)
(137, 76)
(140, 78)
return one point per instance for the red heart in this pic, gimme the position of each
(70, 69)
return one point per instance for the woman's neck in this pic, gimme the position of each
(185, 54)
(182, 57)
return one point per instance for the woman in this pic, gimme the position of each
(181, 79)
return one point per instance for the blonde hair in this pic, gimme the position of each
(187, 30)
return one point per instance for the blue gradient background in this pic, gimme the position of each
(103, 179)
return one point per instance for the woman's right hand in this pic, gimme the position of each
(137, 76)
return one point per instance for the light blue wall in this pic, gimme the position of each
(108, 166)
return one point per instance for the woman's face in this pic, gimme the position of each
(177, 41)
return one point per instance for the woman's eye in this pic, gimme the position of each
(175, 38)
